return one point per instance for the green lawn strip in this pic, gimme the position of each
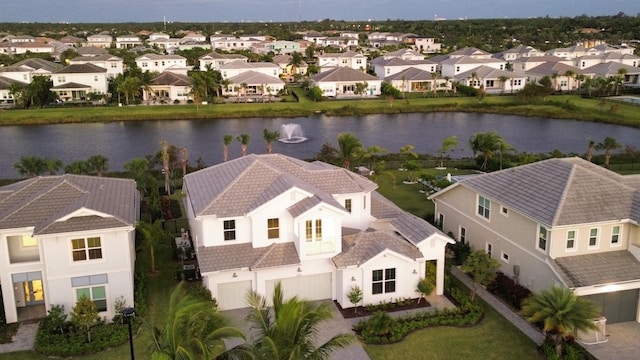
(559, 106)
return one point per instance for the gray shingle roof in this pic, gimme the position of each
(239, 186)
(598, 269)
(40, 201)
(560, 191)
(363, 246)
(241, 256)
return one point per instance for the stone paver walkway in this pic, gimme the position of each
(513, 317)
(24, 338)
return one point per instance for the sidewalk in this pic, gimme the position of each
(524, 326)
(24, 338)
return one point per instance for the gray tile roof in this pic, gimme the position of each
(251, 77)
(343, 74)
(81, 69)
(598, 269)
(239, 186)
(242, 256)
(363, 246)
(40, 201)
(558, 192)
(411, 74)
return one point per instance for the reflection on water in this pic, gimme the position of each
(123, 141)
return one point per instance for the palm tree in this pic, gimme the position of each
(622, 72)
(165, 166)
(591, 145)
(226, 141)
(608, 145)
(153, 235)
(77, 167)
(570, 74)
(98, 164)
(30, 166)
(503, 80)
(448, 144)
(487, 144)
(53, 165)
(269, 138)
(561, 312)
(194, 329)
(349, 147)
(295, 61)
(244, 142)
(288, 329)
(184, 159)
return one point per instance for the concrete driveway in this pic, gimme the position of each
(622, 343)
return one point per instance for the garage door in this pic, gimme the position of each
(311, 287)
(233, 295)
(617, 306)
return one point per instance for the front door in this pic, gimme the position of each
(33, 292)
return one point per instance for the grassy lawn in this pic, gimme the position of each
(493, 338)
(559, 106)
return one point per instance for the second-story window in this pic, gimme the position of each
(86, 249)
(229, 230)
(347, 204)
(484, 206)
(542, 238)
(615, 235)
(273, 228)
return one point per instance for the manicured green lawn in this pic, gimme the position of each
(494, 338)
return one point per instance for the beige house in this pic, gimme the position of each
(558, 221)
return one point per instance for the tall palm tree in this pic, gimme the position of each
(349, 147)
(570, 74)
(184, 159)
(561, 312)
(622, 72)
(287, 330)
(98, 164)
(194, 329)
(226, 141)
(269, 138)
(165, 166)
(153, 235)
(244, 142)
(449, 143)
(503, 80)
(608, 145)
(79, 167)
(591, 146)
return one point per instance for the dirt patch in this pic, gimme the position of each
(360, 311)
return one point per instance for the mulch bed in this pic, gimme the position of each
(361, 311)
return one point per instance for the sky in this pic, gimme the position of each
(114, 11)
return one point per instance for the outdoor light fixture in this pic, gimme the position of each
(414, 272)
(235, 275)
(299, 270)
(353, 278)
(129, 313)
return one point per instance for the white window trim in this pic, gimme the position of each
(575, 241)
(478, 205)
(488, 248)
(86, 250)
(597, 245)
(546, 245)
(619, 243)
(504, 211)
(504, 257)
(460, 228)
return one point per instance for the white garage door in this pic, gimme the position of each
(311, 287)
(233, 295)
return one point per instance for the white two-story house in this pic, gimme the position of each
(160, 63)
(318, 229)
(113, 64)
(64, 237)
(77, 81)
(562, 221)
(350, 59)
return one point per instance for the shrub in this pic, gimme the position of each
(504, 287)
(460, 252)
(74, 344)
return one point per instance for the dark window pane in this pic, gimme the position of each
(390, 274)
(95, 253)
(390, 286)
(377, 275)
(376, 288)
(79, 255)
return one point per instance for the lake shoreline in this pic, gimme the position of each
(571, 107)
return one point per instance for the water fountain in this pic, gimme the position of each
(291, 134)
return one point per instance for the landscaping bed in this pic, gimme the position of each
(360, 311)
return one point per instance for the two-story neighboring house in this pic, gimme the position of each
(350, 59)
(343, 81)
(318, 229)
(215, 60)
(64, 237)
(127, 41)
(113, 64)
(76, 81)
(160, 63)
(560, 221)
(100, 40)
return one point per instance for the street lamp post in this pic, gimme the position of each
(129, 313)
